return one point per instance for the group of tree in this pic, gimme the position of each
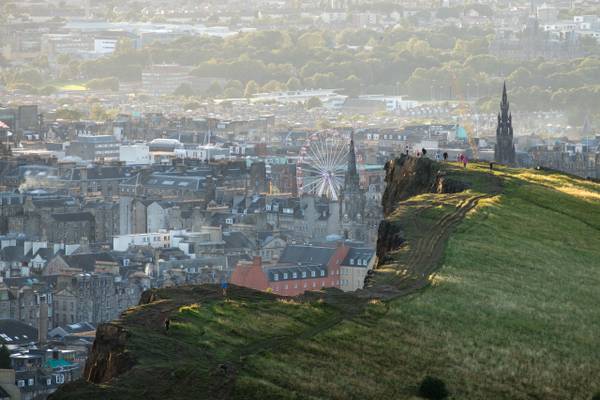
(440, 64)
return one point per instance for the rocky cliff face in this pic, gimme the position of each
(410, 176)
(108, 357)
(407, 177)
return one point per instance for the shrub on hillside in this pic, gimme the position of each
(596, 396)
(433, 388)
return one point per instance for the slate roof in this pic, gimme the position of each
(301, 254)
(175, 182)
(16, 332)
(355, 254)
(278, 272)
(237, 240)
(73, 217)
(12, 253)
(101, 172)
(53, 202)
(87, 262)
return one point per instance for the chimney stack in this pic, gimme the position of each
(43, 322)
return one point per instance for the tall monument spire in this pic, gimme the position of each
(351, 178)
(352, 198)
(504, 151)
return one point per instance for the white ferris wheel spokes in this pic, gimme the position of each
(322, 166)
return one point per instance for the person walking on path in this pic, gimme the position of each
(465, 161)
(167, 324)
(224, 287)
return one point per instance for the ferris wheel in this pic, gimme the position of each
(322, 164)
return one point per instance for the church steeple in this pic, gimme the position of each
(351, 178)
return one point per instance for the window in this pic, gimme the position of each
(60, 378)
(21, 383)
(48, 381)
(275, 277)
(352, 261)
(30, 382)
(304, 274)
(313, 274)
(294, 275)
(285, 276)
(322, 272)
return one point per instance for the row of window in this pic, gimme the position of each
(294, 275)
(59, 379)
(359, 261)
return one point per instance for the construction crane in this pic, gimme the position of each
(464, 109)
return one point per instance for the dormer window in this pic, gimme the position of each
(275, 277)
(294, 275)
(352, 261)
(285, 275)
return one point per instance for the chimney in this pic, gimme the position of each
(43, 322)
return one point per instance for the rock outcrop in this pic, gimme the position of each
(108, 357)
(408, 176)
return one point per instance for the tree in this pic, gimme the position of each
(70, 114)
(313, 102)
(47, 90)
(214, 90)
(98, 113)
(184, 90)
(293, 84)
(351, 85)
(433, 389)
(251, 89)
(5, 358)
(272, 86)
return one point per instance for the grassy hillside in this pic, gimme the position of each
(511, 311)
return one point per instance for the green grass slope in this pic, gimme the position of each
(511, 313)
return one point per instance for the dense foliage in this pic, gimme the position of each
(444, 64)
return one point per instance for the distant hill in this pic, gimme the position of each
(487, 280)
